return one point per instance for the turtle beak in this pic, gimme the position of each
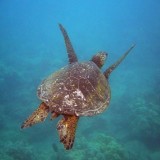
(103, 56)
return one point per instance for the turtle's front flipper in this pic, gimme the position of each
(66, 128)
(113, 66)
(71, 54)
(38, 115)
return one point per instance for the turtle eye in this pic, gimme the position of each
(103, 56)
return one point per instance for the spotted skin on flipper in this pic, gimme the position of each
(38, 115)
(66, 128)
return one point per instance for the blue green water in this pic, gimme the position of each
(32, 47)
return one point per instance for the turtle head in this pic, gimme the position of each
(99, 58)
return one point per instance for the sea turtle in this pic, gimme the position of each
(79, 89)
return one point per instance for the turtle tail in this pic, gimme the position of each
(113, 66)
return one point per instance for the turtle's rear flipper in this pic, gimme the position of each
(38, 115)
(66, 128)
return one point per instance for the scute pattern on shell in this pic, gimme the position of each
(79, 88)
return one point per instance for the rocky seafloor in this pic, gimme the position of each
(128, 130)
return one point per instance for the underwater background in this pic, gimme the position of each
(32, 47)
